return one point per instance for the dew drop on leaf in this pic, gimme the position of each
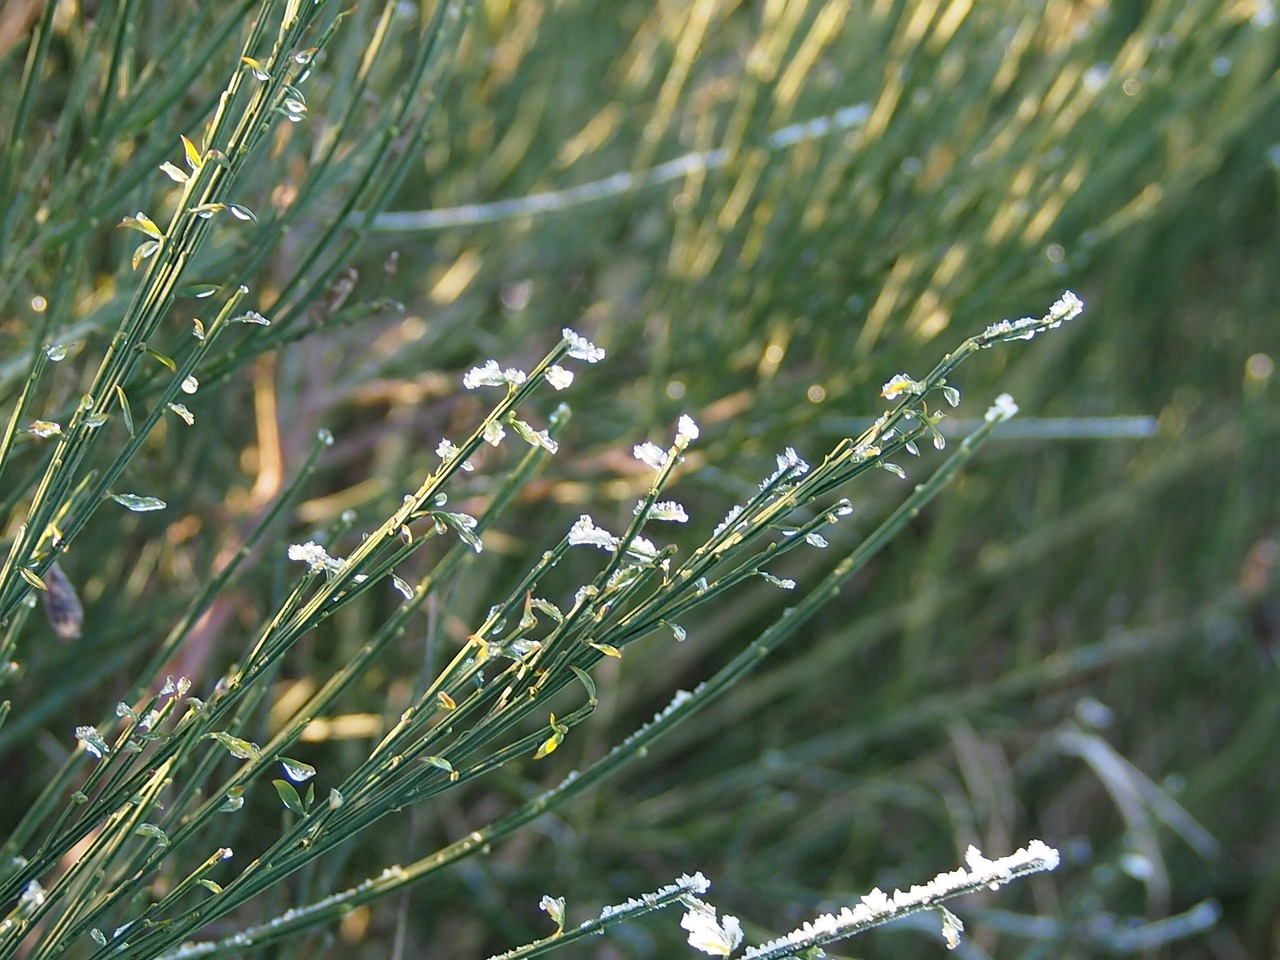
(136, 503)
(93, 742)
(296, 770)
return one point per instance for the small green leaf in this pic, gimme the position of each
(32, 578)
(154, 832)
(156, 354)
(289, 796)
(242, 749)
(210, 885)
(143, 224)
(256, 68)
(193, 155)
(144, 250)
(547, 607)
(176, 174)
(124, 408)
(206, 210)
(558, 730)
(585, 679)
(234, 801)
(442, 764)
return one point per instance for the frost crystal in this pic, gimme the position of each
(314, 556)
(554, 908)
(650, 454)
(686, 431)
(490, 375)
(535, 438)
(446, 450)
(493, 433)
(585, 532)
(665, 510)
(643, 548)
(717, 938)
(1001, 410)
(581, 348)
(1067, 307)
(789, 465)
(899, 384)
(559, 377)
(730, 519)
(45, 428)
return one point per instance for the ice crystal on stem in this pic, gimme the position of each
(585, 532)
(1001, 410)
(899, 384)
(1067, 307)
(491, 375)
(581, 348)
(719, 938)
(559, 377)
(314, 556)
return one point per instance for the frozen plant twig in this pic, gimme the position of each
(878, 907)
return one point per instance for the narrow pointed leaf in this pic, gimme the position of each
(124, 409)
(156, 354)
(193, 155)
(289, 796)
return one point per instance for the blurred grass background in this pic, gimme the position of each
(1078, 642)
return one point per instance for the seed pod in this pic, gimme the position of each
(61, 604)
